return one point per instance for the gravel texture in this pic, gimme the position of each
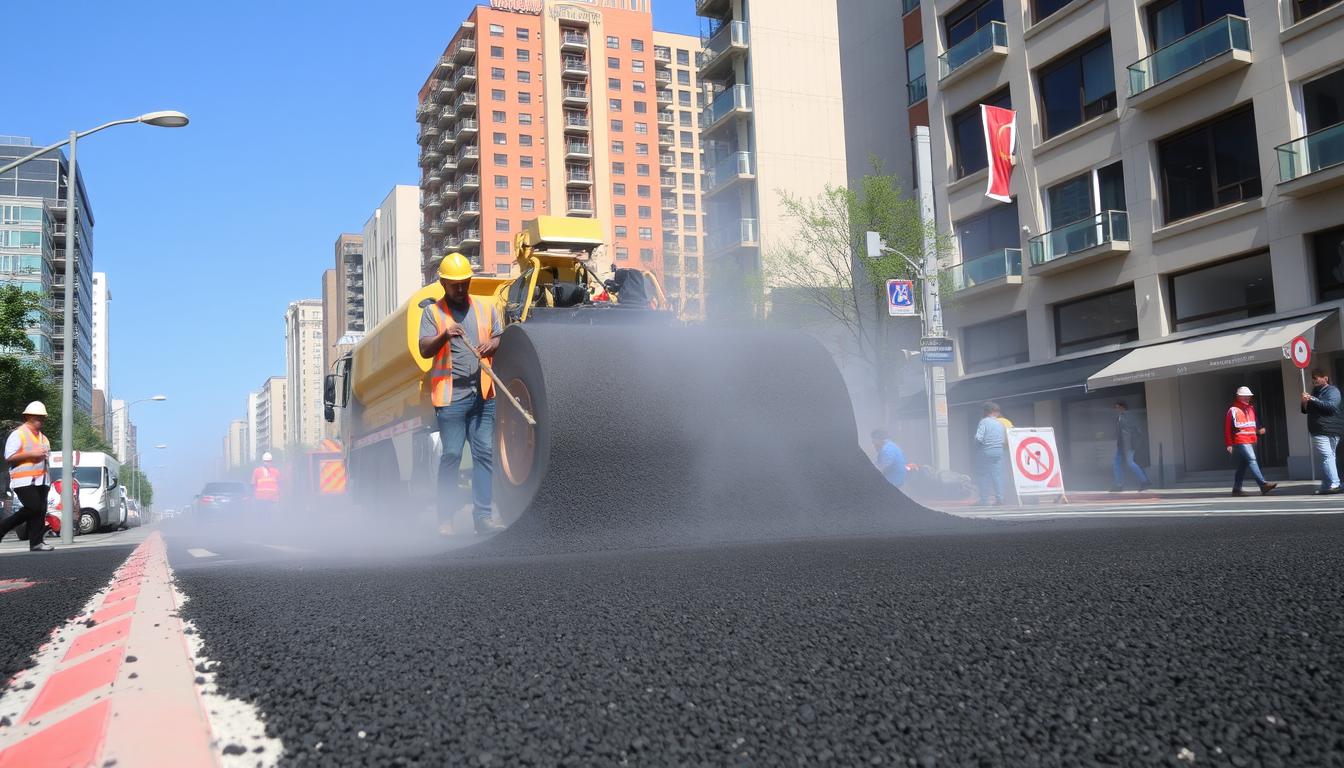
(1161, 642)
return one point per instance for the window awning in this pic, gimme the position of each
(1243, 347)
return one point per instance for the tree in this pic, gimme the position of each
(824, 267)
(19, 311)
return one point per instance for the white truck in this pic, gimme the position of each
(102, 499)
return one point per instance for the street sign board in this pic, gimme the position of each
(901, 298)
(1036, 470)
(1299, 351)
(937, 350)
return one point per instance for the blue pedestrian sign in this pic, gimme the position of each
(901, 298)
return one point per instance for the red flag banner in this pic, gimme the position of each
(1000, 145)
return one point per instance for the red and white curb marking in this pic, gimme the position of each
(118, 684)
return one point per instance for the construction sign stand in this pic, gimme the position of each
(1035, 460)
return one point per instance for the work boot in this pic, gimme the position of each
(488, 526)
(1267, 487)
(44, 547)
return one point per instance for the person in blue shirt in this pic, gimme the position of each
(990, 438)
(888, 457)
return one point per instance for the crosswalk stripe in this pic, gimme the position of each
(202, 553)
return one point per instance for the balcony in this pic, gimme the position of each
(575, 96)
(667, 180)
(738, 166)
(469, 237)
(426, 109)
(449, 163)
(663, 78)
(916, 90)
(573, 67)
(667, 159)
(669, 202)
(469, 209)
(463, 50)
(662, 56)
(713, 9)
(744, 235)
(572, 41)
(722, 49)
(431, 156)
(670, 225)
(989, 272)
(449, 216)
(464, 77)
(445, 144)
(443, 91)
(468, 156)
(988, 44)
(1082, 242)
(468, 181)
(731, 103)
(1191, 62)
(448, 191)
(1312, 163)
(576, 122)
(429, 131)
(666, 117)
(666, 137)
(465, 104)
(436, 228)
(433, 203)
(578, 149)
(664, 98)
(434, 178)
(467, 128)
(579, 205)
(445, 115)
(578, 177)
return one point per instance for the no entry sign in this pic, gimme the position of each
(1299, 351)
(1036, 470)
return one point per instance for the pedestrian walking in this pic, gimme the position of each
(460, 335)
(991, 440)
(888, 457)
(1241, 432)
(1325, 424)
(1127, 435)
(28, 454)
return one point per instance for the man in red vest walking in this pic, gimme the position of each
(1241, 432)
(266, 481)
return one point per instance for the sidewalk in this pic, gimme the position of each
(1293, 488)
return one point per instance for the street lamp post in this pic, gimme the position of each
(162, 119)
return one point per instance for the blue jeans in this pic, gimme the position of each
(470, 419)
(1124, 459)
(1244, 455)
(990, 475)
(1324, 447)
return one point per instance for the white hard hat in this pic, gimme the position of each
(1245, 392)
(35, 408)
(266, 456)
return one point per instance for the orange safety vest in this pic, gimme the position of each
(441, 372)
(266, 483)
(29, 442)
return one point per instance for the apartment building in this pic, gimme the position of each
(235, 445)
(303, 373)
(1176, 217)
(101, 376)
(269, 416)
(392, 254)
(773, 122)
(562, 109)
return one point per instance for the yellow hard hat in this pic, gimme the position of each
(455, 267)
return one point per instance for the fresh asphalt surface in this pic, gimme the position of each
(1170, 641)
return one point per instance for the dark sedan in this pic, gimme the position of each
(223, 497)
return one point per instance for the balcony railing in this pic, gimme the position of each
(571, 64)
(1314, 152)
(994, 34)
(1208, 42)
(730, 167)
(576, 93)
(579, 203)
(732, 35)
(462, 74)
(665, 117)
(667, 180)
(662, 76)
(466, 47)
(667, 136)
(578, 175)
(662, 53)
(1105, 227)
(916, 90)
(737, 97)
(578, 148)
(989, 268)
(908, 6)
(575, 39)
(576, 120)
(746, 234)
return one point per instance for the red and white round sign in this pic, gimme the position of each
(1299, 351)
(1035, 459)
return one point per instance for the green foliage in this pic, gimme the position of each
(23, 380)
(19, 309)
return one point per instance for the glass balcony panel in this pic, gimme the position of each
(1207, 42)
(1314, 152)
(1105, 227)
(995, 33)
(998, 265)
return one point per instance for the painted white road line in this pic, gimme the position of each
(202, 553)
(1139, 513)
(288, 549)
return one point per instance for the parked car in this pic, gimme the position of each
(222, 497)
(101, 497)
(134, 517)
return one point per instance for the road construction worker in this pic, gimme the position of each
(1241, 433)
(266, 480)
(28, 453)
(460, 334)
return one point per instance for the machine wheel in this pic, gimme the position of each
(521, 450)
(88, 522)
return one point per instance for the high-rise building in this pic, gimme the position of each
(271, 417)
(676, 80)
(392, 254)
(235, 445)
(773, 123)
(33, 207)
(123, 432)
(253, 413)
(1175, 217)
(303, 373)
(102, 298)
(555, 108)
(350, 273)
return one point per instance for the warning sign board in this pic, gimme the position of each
(1036, 470)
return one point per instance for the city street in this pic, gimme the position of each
(1164, 641)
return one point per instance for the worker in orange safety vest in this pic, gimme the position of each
(266, 480)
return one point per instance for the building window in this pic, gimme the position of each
(501, 247)
(497, 116)
(684, 119)
(613, 42)
(641, 108)
(523, 55)
(637, 65)
(500, 138)
(618, 169)
(501, 159)
(683, 77)
(687, 140)
(688, 201)
(524, 118)
(1213, 165)
(524, 139)
(642, 169)
(496, 51)
(525, 161)
(1327, 250)
(645, 212)
(497, 94)
(524, 76)
(641, 129)
(496, 30)
(639, 86)
(688, 222)
(968, 139)
(521, 34)
(1096, 321)
(622, 231)
(1323, 101)
(527, 182)
(529, 204)
(1101, 189)
(618, 210)
(637, 46)
(684, 99)
(1304, 8)
(688, 181)
(1041, 9)
(613, 83)
(622, 253)
(643, 190)
(646, 255)
(687, 160)
(502, 225)
(618, 147)
(524, 97)
(1170, 20)
(618, 189)
(614, 105)
(986, 233)
(1232, 290)
(496, 73)
(613, 63)
(1077, 87)
(963, 22)
(501, 181)
(683, 57)
(501, 203)
(617, 126)
(646, 233)
(642, 149)
(995, 344)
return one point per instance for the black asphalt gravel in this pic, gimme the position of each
(1205, 642)
(63, 582)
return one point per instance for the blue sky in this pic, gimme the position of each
(303, 117)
